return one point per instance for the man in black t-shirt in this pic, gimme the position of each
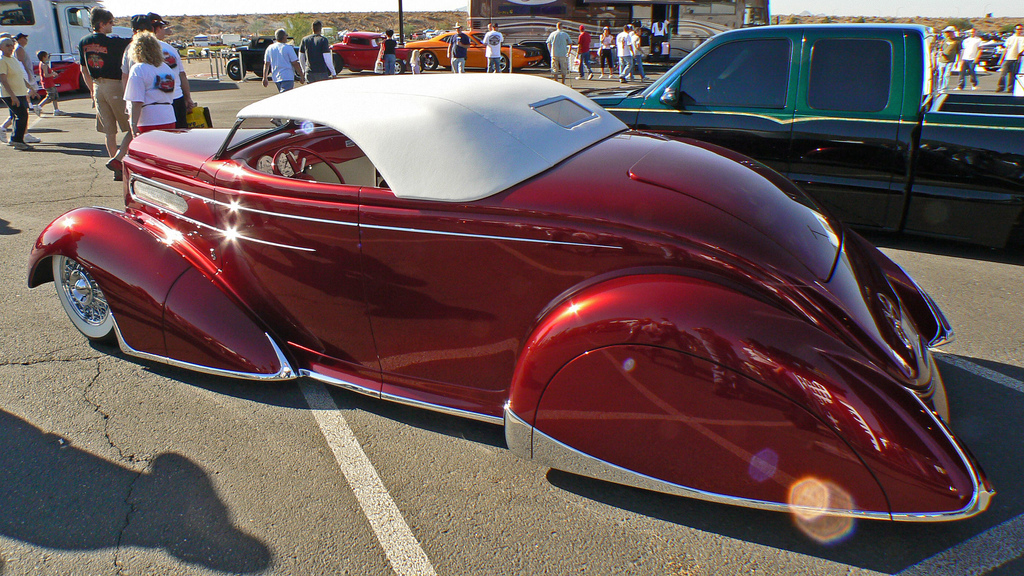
(101, 67)
(386, 56)
(311, 54)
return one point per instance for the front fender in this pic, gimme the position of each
(162, 294)
(919, 465)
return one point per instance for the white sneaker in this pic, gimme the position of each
(3, 136)
(59, 113)
(30, 139)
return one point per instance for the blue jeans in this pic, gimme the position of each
(638, 61)
(285, 85)
(494, 64)
(945, 69)
(20, 115)
(458, 65)
(968, 68)
(585, 64)
(389, 63)
(626, 67)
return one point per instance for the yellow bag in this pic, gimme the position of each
(199, 117)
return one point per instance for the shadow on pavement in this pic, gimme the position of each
(987, 417)
(6, 229)
(72, 148)
(202, 85)
(61, 497)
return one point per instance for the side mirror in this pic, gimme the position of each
(670, 97)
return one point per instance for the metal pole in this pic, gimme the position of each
(401, 24)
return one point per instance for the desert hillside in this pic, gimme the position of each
(185, 27)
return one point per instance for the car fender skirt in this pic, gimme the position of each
(135, 269)
(679, 421)
(164, 308)
(667, 356)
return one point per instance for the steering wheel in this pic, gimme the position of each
(290, 162)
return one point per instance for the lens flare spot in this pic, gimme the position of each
(815, 503)
(306, 127)
(628, 364)
(763, 465)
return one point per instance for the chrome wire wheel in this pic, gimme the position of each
(82, 298)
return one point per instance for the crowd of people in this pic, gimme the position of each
(960, 53)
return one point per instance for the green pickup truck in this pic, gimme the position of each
(849, 113)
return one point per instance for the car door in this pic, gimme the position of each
(735, 94)
(292, 250)
(844, 149)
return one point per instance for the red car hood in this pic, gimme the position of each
(750, 192)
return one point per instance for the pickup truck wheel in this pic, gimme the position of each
(234, 69)
(339, 63)
(428, 61)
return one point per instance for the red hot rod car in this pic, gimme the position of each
(655, 313)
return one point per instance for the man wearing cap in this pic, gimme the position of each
(949, 51)
(14, 92)
(100, 56)
(21, 54)
(458, 47)
(182, 89)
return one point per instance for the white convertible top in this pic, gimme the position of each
(450, 137)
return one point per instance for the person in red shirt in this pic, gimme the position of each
(583, 49)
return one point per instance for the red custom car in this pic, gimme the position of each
(358, 51)
(660, 314)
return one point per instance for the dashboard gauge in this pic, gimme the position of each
(265, 164)
(284, 167)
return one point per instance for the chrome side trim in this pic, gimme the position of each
(518, 435)
(945, 334)
(443, 409)
(345, 384)
(488, 237)
(550, 452)
(240, 208)
(285, 373)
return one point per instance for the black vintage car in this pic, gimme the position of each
(851, 114)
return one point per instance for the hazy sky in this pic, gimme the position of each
(833, 7)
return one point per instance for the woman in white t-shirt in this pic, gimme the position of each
(149, 90)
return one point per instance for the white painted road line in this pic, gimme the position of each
(395, 536)
(977, 370)
(978, 555)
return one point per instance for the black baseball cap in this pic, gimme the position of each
(20, 35)
(142, 22)
(157, 20)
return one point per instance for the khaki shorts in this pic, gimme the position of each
(110, 108)
(559, 65)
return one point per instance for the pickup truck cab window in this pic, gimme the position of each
(837, 84)
(748, 73)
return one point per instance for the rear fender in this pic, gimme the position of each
(921, 468)
(160, 291)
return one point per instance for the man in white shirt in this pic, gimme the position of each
(970, 48)
(281, 62)
(1011, 60)
(558, 47)
(624, 45)
(492, 48)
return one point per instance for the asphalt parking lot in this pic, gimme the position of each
(111, 465)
